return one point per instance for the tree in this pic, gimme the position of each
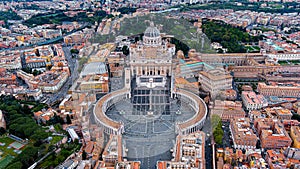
(218, 138)
(2, 131)
(76, 142)
(216, 125)
(36, 72)
(296, 117)
(61, 120)
(49, 67)
(228, 36)
(27, 156)
(218, 135)
(28, 131)
(39, 134)
(37, 52)
(125, 50)
(215, 119)
(26, 109)
(110, 16)
(126, 10)
(220, 50)
(20, 123)
(16, 165)
(180, 46)
(74, 51)
(68, 119)
(27, 70)
(84, 155)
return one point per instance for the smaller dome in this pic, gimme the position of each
(152, 31)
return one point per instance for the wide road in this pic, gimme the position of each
(73, 65)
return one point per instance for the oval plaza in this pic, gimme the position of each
(148, 86)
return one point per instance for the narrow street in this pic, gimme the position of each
(208, 145)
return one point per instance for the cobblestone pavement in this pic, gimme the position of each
(149, 138)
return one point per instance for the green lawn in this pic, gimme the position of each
(278, 6)
(6, 140)
(295, 61)
(58, 129)
(8, 154)
(252, 48)
(55, 139)
(256, 48)
(5, 161)
(282, 62)
(4, 148)
(290, 62)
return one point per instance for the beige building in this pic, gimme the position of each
(215, 80)
(113, 150)
(228, 110)
(113, 156)
(295, 135)
(284, 114)
(253, 101)
(275, 113)
(2, 120)
(97, 83)
(116, 62)
(279, 89)
(50, 82)
(236, 59)
(150, 70)
(189, 152)
(51, 33)
(75, 38)
(93, 78)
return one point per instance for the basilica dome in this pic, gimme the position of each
(152, 31)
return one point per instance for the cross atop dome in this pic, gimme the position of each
(152, 24)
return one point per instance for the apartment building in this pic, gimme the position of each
(253, 101)
(242, 135)
(279, 89)
(272, 133)
(215, 80)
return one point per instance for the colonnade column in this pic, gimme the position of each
(146, 72)
(131, 70)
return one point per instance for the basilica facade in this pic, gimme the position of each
(152, 56)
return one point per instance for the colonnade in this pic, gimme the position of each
(108, 125)
(197, 121)
(151, 70)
